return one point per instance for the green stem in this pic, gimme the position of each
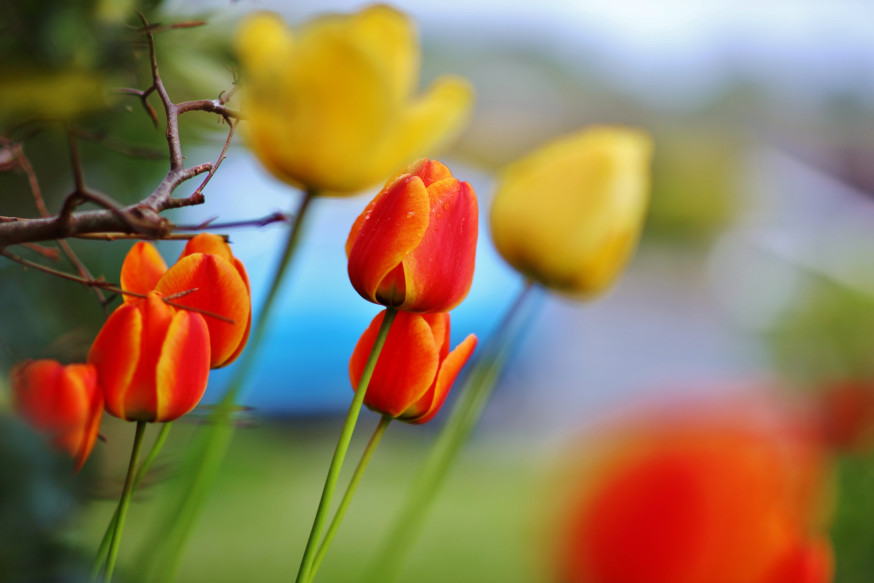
(141, 473)
(165, 546)
(306, 562)
(124, 501)
(473, 397)
(350, 491)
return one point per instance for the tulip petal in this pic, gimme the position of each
(142, 268)
(389, 229)
(64, 402)
(218, 289)
(430, 171)
(427, 407)
(430, 122)
(406, 367)
(440, 269)
(183, 366)
(388, 36)
(141, 397)
(80, 385)
(439, 323)
(116, 352)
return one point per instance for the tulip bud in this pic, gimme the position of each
(332, 108)
(207, 278)
(414, 245)
(64, 402)
(568, 215)
(415, 369)
(152, 360)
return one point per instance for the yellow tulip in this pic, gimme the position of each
(569, 214)
(331, 107)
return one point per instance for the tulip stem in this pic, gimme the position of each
(124, 501)
(166, 543)
(141, 473)
(474, 395)
(306, 562)
(350, 491)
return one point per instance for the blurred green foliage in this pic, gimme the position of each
(38, 498)
(827, 334)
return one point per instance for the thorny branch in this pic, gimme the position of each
(142, 219)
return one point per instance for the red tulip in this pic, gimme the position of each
(64, 402)
(414, 245)
(415, 369)
(152, 360)
(208, 278)
(704, 500)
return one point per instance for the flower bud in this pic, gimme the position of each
(568, 215)
(415, 369)
(414, 246)
(152, 360)
(64, 402)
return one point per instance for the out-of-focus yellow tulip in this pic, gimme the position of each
(568, 215)
(331, 108)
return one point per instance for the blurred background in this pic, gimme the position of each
(754, 271)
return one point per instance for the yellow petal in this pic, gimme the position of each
(427, 124)
(388, 36)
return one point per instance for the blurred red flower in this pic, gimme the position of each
(702, 498)
(64, 402)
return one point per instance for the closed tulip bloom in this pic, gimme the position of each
(64, 402)
(332, 106)
(568, 215)
(152, 360)
(206, 277)
(414, 245)
(415, 370)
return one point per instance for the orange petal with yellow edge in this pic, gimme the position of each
(182, 369)
(406, 367)
(389, 229)
(116, 352)
(430, 171)
(439, 271)
(429, 405)
(142, 268)
(213, 286)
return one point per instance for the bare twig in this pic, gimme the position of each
(276, 217)
(136, 236)
(52, 254)
(112, 287)
(143, 219)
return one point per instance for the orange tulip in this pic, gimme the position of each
(64, 402)
(703, 501)
(219, 283)
(152, 360)
(414, 245)
(415, 370)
